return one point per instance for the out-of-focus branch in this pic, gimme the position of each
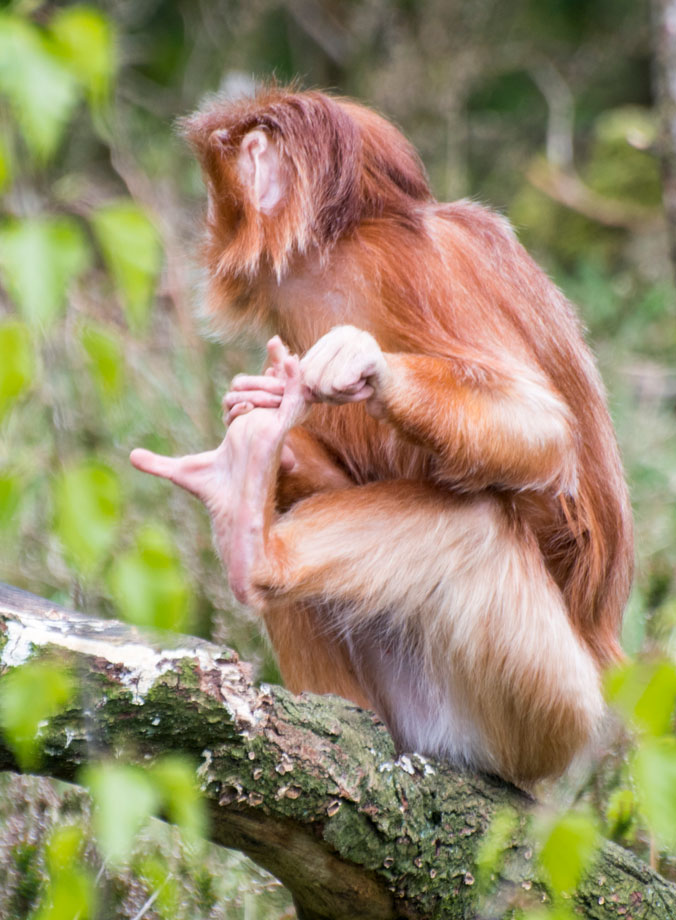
(568, 189)
(561, 106)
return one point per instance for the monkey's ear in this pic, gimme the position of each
(260, 170)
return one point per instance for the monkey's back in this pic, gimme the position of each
(466, 290)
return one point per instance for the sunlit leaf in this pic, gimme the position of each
(86, 39)
(157, 875)
(653, 767)
(494, 843)
(87, 504)
(124, 799)
(6, 163)
(29, 695)
(132, 251)
(71, 894)
(568, 850)
(42, 91)
(17, 363)
(621, 814)
(71, 889)
(10, 495)
(39, 258)
(557, 912)
(182, 799)
(148, 582)
(106, 359)
(64, 848)
(644, 692)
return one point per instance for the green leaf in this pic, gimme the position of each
(644, 692)
(621, 814)
(568, 850)
(106, 359)
(87, 504)
(148, 582)
(558, 912)
(494, 843)
(71, 894)
(17, 363)
(42, 92)
(11, 488)
(132, 251)
(124, 799)
(85, 38)
(30, 694)
(71, 890)
(156, 873)
(6, 163)
(653, 767)
(64, 848)
(39, 258)
(182, 799)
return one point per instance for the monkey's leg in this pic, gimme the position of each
(455, 626)
(236, 482)
(320, 661)
(458, 630)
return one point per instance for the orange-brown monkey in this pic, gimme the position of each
(429, 508)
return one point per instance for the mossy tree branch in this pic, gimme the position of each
(309, 787)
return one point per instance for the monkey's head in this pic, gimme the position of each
(289, 171)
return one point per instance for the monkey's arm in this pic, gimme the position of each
(513, 430)
(500, 424)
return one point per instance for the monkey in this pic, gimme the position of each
(422, 493)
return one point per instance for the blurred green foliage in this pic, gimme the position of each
(28, 695)
(124, 797)
(99, 352)
(70, 891)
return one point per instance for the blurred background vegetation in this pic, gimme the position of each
(542, 108)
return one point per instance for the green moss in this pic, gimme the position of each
(29, 880)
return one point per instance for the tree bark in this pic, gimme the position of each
(309, 787)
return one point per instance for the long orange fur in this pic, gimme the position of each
(492, 460)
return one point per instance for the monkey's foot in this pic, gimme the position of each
(234, 481)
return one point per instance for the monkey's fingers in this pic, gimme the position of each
(294, 402)
(271, 383)
(357, 393)
(237, 410)
(259, 398)
(277, 354)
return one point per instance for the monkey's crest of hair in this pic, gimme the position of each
(345, 164)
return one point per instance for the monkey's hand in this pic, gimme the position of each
(259, 391)
(345, 365)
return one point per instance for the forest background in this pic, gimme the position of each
(544, 109)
